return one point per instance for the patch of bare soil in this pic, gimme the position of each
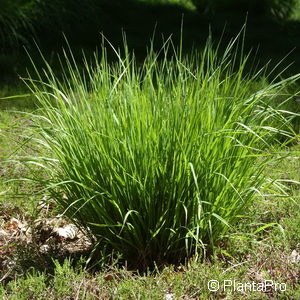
(25, 244)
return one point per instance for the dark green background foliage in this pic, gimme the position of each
(14, 20)
(277, 8)
(24, 22)
(20, 18)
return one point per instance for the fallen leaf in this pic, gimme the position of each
(67, 232)
(14, 225)
(109, 277)
(295, 256)
(169, 296)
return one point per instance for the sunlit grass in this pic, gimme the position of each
(157, 161)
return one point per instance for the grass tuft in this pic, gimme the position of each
(156, 161)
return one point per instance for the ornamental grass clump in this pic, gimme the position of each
(157, 160)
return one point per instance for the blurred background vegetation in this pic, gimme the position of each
(272, 27)
(267, 8)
